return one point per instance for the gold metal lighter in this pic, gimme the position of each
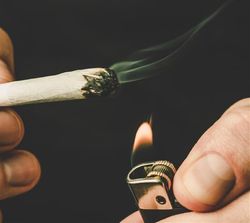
(151, 185)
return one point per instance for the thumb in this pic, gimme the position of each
(217, 170)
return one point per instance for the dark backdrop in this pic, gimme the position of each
(84, 147)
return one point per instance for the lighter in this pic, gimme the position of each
(151, 182)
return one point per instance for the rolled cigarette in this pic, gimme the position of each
(78, 84)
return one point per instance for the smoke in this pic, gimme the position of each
(146, 63)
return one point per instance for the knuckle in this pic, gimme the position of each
(237, 143)
(236, 126)
(5, 37)
(241, 103)
(238, 121)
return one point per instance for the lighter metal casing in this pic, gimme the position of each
(151, 186)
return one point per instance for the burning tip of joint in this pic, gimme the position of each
(144, 136)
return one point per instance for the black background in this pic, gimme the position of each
(84, 147)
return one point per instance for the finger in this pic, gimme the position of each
(11, 129)
(11, 125)
(19, 172)
(242, 104)
(5, 74)
(6, 56)
(133, 218)
(237, 211)
(217, 170)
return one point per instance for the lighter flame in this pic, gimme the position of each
(144, 136)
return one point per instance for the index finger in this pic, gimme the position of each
(6, 58)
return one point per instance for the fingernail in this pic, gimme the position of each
(209, 179)
(9, 128)
(19, 170)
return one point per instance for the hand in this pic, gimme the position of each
(214, 180)
(19, 169)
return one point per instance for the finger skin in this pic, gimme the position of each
(11, 129)
(133, 218)
(11, 125)
(243, 103)
(19, 170)
(237, 211)
(229, 138)
(5, 74)
(19, 173)
(6, 52)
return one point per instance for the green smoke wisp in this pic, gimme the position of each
(145, 63)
